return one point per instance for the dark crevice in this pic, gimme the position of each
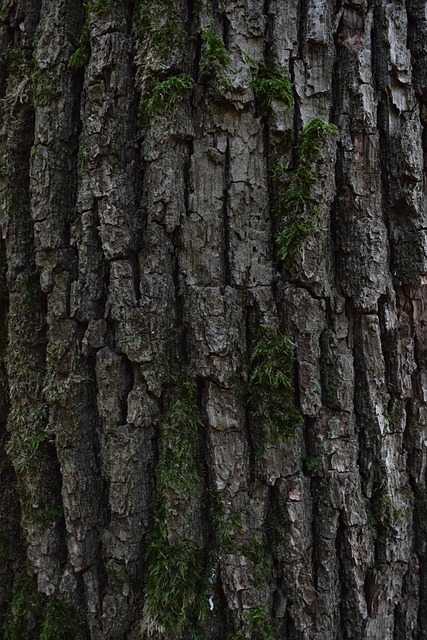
(192, 12)
(136, 275)
(389, 346)
(181, 327)
(127, 380)
(267, 30)
(342, 614)
(417, 45)
(189, 149)
(336, 206)
(12, 550)
(315, 539)
(131, 16)
(302, 28)
(250, 431)
(76, 87)
(250, 328)
(366, 447)
(224, 631)
(197, 55)
(225, 30)
(226, 268)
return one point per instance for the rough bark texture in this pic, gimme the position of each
(213, 333)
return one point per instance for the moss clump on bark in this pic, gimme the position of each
(259, 622)
(28, 84)
(26, 609)
(271, 83)
(256, 622)
(383, 513)
(101, 7)
(296, 199)
(174, 559)
(7, 5)
(224, 523)
(164, 96)
(33, 615)
(62, 621)
(28, 445)
(80, 55)
(214, 55)
(271, 387)
(79, 58)
(173, 580)
(160, 22)
(179, 467)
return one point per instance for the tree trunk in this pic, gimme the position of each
(213, 320)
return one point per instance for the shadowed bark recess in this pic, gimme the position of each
(213, 320)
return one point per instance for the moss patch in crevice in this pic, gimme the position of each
(175, 560)
(271, 83)
(214, 56)
(163, 97)
(271, 388)
(33, 616)
(26, 609)
(62, 621)
(159, 21)
(297, 203)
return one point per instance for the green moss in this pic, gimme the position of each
(30, 445)
(296, 198)
(62, 621)
(164, 96)
(313, 464)
(331, 389)
(175, 568)
(271, 388)
(159, 21)
(26, 610)
(98, 7)
(4, 11)
(179, 467)
(225, 84)
(25, 360)
(173, 580)
(27, 437)
(258, 553)
(256, 623)
(80, 55)
(271, 84)
(272, 356)
(383, 514)
(43, 87)
(50, 513)
(32, 615)
(79, 58)
(224, 524)
(28, 84)
(260, 623)
(214, 55)
(315, 134)
(18, 57)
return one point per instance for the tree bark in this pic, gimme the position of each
(213, 329)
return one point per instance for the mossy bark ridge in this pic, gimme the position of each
(213, 297)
